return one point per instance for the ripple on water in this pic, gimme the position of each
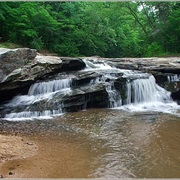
(119, 144)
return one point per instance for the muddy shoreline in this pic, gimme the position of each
(41, 157)
(14, 148)
(41, 149)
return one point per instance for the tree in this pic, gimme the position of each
(107, 29)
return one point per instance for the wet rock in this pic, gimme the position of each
(176, 96)
(77, 99)
(84, 78)
(94, 96)
(169, 81)
(72, 64)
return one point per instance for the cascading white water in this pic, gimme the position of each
(141, 93)
(173, 78)
(50, 86)
(146, 90)
(33, 114)
(146, 95)
(114, 96)
(139, 90)
(37, 92)
(96, 64)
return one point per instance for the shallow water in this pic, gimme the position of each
(106, 143)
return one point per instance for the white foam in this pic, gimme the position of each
(170, 108)
(38, 92)
(146, 90)
(96, 65)
(30, 115)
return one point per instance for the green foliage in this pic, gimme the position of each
(37, 44)
(107, 29)
(154, 49)
(9, 45)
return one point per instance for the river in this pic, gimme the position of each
(102, 143)
(136, 137)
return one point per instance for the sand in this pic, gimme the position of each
(42, 157)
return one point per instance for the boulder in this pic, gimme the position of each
(11, 59)
(20, 79)
(72, 64)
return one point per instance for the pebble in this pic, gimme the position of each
(11, 173)
(29, 143)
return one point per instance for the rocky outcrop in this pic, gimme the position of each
(165, 65)
(163, 69)
(33, 68)
(78, 99)
(33, 71)
(20, 79)
(11, 59)
(42, 66)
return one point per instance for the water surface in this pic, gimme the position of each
(107, 143)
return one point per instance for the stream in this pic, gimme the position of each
(135, 136)
(102, 143)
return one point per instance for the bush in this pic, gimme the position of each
(154, 49)
(37, 44)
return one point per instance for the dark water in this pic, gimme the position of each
(118, 144)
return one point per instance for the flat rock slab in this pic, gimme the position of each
(48, 60)
(165, 64)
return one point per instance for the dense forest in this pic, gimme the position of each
(106, 29)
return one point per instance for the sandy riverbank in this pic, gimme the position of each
(41, 157)
(13, 148)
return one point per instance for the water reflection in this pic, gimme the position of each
(119, 144)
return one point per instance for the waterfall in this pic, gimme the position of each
(174, 78)
(96, 64)
(38, 92)
(114, 96)
(50, 86)
(146, 90)
(142, 89)
(146, 95)
(142, 92)
(126, 89)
